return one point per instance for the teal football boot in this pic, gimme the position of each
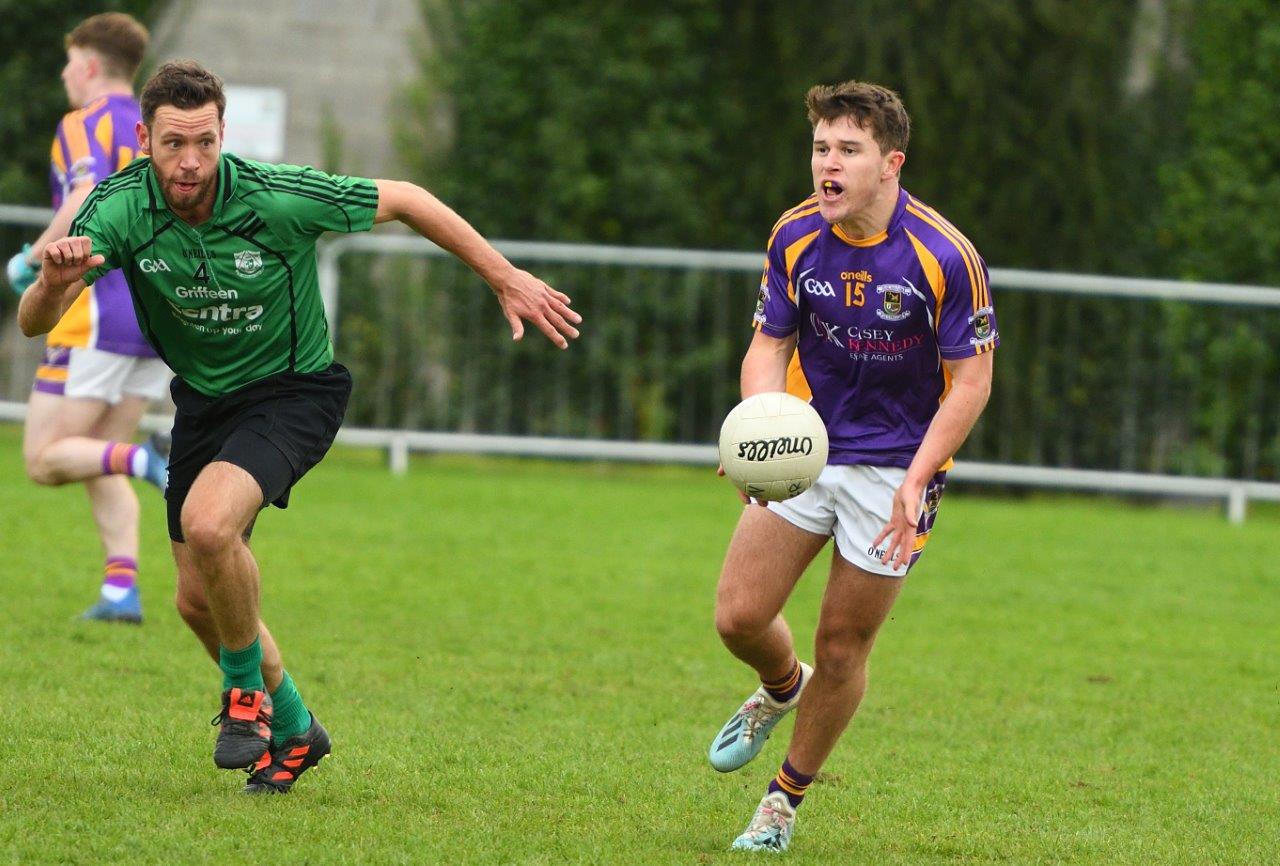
(743, 736)
(770, 827)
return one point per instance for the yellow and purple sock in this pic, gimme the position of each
(119, 576)
(791, 782)
(124, 458)
(783, 690)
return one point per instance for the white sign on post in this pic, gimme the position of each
(255, 122)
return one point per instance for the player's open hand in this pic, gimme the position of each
(524, 297)
(899, 534)
(65, 261)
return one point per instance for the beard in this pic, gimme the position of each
(193, 200)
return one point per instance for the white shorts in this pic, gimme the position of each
(852, 504)
(106, 376)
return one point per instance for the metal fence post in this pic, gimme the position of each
(1237, 503)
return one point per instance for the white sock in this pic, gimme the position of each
(138, 463)
(114, 593)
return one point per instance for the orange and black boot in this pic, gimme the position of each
(276, 773)
(244, 735)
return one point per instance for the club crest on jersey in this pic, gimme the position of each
(81, 169)
(933, 499)
(763, 298)
(981, 322)
(891, 295)
(248, 263)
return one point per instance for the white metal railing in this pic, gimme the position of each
(22, 215)
(656, 257)
(332, 251)
(400, 443)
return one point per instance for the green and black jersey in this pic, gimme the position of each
(235, 299)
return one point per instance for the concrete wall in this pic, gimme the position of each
(349, 59)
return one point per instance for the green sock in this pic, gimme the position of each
(290, 716)
(242, 669)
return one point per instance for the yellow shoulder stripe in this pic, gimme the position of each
(938, 221)
(791, 254)
(791, 217)
(969, 264)
(55, 156)
(77, 137)
(985, 291)
(933, 273)
(797, 383)
(104, 131)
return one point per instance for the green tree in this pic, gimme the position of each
(1222, 222)
(1222, 225)
(684, 124)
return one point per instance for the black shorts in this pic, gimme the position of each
(275, 429)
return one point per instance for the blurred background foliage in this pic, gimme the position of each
(1039, 128)
(1131, 137)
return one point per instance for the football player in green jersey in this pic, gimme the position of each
(219, 253)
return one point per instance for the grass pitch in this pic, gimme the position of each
(517, 663)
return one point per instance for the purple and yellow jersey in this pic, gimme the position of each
(92, 143)
(875, 318)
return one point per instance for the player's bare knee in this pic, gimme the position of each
(206, 535)
(39, 471)
(843, 654)
(735, 621)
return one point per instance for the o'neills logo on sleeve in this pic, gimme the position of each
(760, 450)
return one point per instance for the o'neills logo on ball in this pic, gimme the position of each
(760, 450)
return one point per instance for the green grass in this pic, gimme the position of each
(517, 663)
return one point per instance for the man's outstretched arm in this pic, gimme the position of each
(520, 294)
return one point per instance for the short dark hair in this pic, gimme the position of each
(119, 39)
(874, 108)
(183, 84)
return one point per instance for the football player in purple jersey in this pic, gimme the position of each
(98, 373)
(878, 311)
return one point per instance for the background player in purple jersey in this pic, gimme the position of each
(98, 372)
(877, 310)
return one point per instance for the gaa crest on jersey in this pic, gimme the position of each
(891, 298)
(248, 263)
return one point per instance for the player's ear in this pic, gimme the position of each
(893, 165)
(144, 137)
